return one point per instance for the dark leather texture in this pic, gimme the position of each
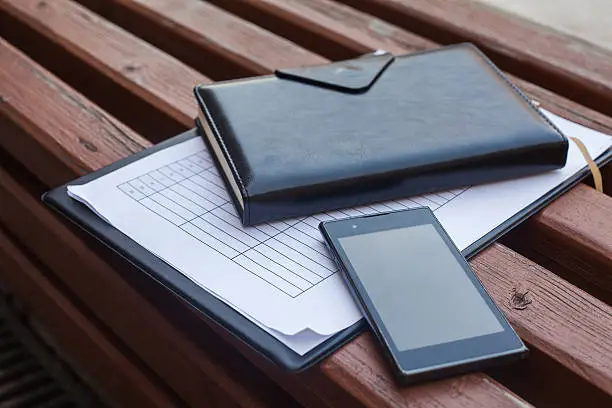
(375, 128)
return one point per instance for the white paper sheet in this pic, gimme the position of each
(279, 275)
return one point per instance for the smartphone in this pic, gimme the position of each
(423, 302)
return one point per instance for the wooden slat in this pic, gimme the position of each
(560, 390)
(136, 66)
(25, 87)
(562, 321)
(568, 66)
(342, 29)
(67, 258)
(80, 338)
(586, 216)
(327, 22)
(23, 332)
(238, 47)
(313, 24)
(168, 352)
(360, 370)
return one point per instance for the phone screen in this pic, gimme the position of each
(422, 294)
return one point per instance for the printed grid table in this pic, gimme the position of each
(288, 254)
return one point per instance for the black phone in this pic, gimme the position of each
(428, 309)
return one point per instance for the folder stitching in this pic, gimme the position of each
(210, 120)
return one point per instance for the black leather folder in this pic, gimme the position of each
(161, 283)
(374, 128)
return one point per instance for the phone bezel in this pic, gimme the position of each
(449, 356)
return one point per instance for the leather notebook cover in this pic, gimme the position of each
(378, 127)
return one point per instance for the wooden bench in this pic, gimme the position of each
(83, 85)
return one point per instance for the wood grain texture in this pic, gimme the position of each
(329, 28)
(347, 24)
(80, 338)
(539, 380)
(132, 63)
(585, 215)
(560, 320)
(186, 368)
(134, 112)
(84, 140)
(359, 368)
(567, 66)
(210, 35)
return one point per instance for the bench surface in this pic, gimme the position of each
(85, 83)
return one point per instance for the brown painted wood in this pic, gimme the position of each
(137, 67)
(586, 216)
(81, 339)
(83, 142)
(359, 369)
(169, 353)
(67, 258)
(560, 390)
(326, 27)
(347, 23)
(567, 66)
(562, 321)
(343, 29)
(209, 368)
(238, 47)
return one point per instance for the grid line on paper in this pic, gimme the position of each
(289, 255)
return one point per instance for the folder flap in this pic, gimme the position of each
(353, 76)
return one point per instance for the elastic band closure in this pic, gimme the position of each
(598, 180)
(592, 165)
